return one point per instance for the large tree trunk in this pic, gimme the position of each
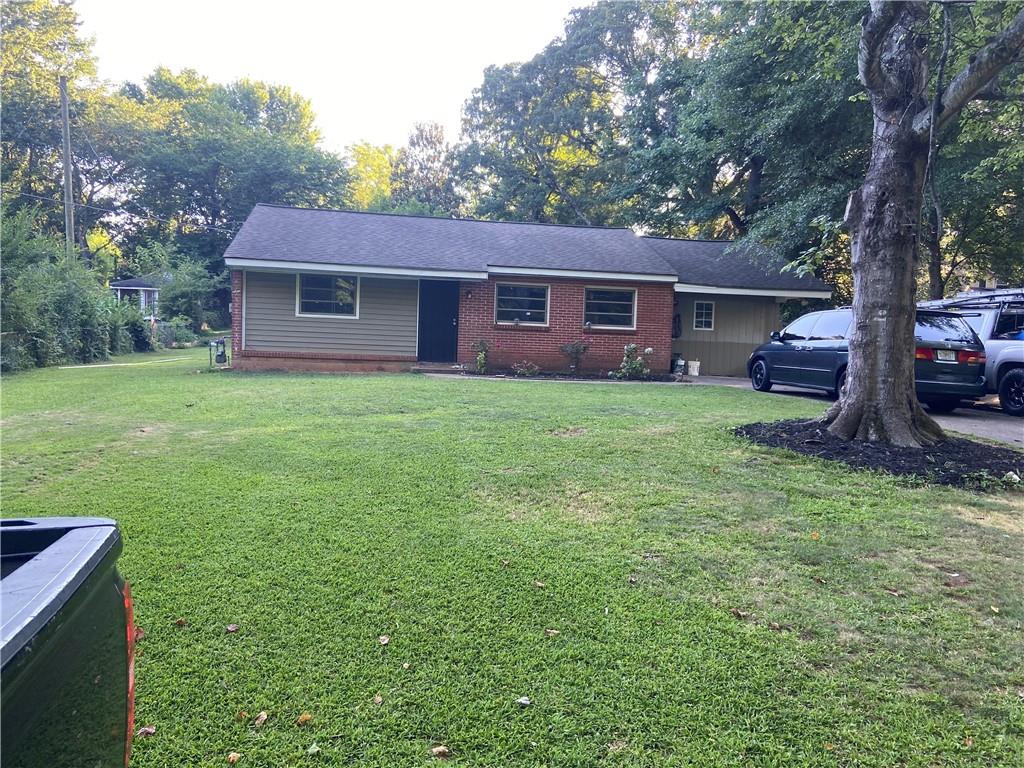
(878, 401)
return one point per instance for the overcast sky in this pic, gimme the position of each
(371, 69)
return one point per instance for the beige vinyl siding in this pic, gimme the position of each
(741, 323)
(386, 324)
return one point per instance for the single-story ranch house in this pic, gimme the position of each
(321, 290)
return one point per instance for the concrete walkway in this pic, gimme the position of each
(982, 419)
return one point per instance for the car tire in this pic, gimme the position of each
(1011, 392)
(760, 379)
(840, 382)
(942, 405)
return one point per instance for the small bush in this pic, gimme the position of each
(176, 332)
(525, 368)
(481, 348)
(634, 364)
(574, 350)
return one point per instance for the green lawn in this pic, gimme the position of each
(716, 603)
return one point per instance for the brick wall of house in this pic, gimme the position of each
(512, 344)
(236, 312)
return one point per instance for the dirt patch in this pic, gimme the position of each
(569, 432)
(956, 461)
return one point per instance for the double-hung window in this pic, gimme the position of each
(610, 308)
(327, 295)
(521, 304)
(703, 315)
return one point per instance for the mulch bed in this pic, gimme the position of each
(956, 461)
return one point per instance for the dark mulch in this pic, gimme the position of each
(957, 462)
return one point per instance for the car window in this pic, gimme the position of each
(1009, 326)
(800, 329)
(976, 321)
(832, 326)
(943, 328)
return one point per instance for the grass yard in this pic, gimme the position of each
(716, 603)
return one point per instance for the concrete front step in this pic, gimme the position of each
(425, 367)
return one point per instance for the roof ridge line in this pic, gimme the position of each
(443, 218)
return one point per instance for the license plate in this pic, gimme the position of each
(945, 355)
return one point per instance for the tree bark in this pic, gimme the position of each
(878, 401)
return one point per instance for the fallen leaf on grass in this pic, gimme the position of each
(819, 579)
(234, 757)
(830, 746)
(968, 742)
(441, 752)
(378, 699)
(241, 715)
(551, 633)
(815, 536)
(505, 562)
(994, 609)
(632, 578)
(231, 628)
(406, 665)
(617, 746)
(738, 613)
(384, 639)
(181, 622)
(261, 718)
(146, 730)
(524, 701)
(894, 592)
(775, 625)
(303, 719)
(313, 749)
(539, 584)
(139, 633)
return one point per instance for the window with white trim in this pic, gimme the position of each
(523, 304)
(327, 295)
(703, 315)
(610, 307)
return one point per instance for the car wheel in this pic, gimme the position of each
(944, 405)
(759, 378)
(840, 383)
(1011, 392)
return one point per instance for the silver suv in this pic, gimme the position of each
(998, 318)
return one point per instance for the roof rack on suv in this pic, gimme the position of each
(994, 298)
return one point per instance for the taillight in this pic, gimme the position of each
(970, 357)
(129, 621)
(923, 353)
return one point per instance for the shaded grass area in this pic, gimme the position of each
(716, 602)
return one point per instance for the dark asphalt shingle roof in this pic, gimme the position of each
(132, 282)
(279, 233)
(706, 262)
(422, 242)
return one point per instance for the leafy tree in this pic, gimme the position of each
(423, 178)
(371, 170)
(187, 292)
(878, 401)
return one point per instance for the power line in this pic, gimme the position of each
(124, 213)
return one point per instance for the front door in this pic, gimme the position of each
(439, 321)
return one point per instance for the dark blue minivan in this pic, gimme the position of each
(812, 352)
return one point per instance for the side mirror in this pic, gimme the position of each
(776, 336)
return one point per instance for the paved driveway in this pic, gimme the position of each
(983, 419)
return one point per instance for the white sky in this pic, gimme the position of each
(370, 68)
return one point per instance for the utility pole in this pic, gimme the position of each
(69, 206)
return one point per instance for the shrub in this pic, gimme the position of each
(574, 350)
(634, 364)
(187, 293)
(481, 348)
(525, 368)
(176, 332)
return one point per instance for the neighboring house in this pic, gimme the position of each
(142, 290)
(341, 290)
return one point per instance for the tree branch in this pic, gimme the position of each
(986, 64)
(876, 27)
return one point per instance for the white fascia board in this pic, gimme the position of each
(779, 293)
(582, 274)
(266, 265)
